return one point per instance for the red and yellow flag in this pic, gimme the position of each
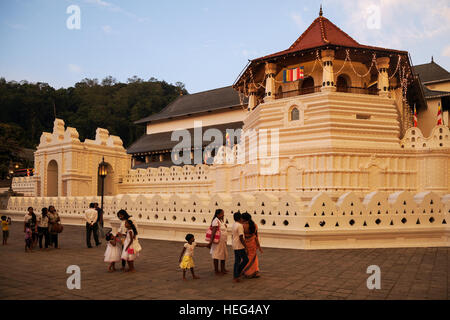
(439, 115)
(415, 116)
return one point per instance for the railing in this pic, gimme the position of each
(297, 92)
(358, 90)
(302, 91)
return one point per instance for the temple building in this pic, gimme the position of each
(323, 59)
(436, 89)
(328, 154)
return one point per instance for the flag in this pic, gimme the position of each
(439, 115)
(293, 74)
(227, 138)
(415, 116)
(206, 156)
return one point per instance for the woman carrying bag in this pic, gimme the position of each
(55, 226)
(219, 249)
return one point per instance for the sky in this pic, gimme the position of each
(203, 43)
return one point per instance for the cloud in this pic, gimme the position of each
(297, 20)
(16, 26)
(446, 51)
(402, 22)
(115, 8)
(107, 29)
(73, 68)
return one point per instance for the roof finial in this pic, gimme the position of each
(320, 12)
(432, 59)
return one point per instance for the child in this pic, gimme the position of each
(112, 253)
(128, 253)
(187, 255)
(28, 237)
(5, 229)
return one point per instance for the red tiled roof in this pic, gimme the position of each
(322, 32)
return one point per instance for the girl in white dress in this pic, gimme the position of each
(128, 252)
(113, 252)
(121, 234)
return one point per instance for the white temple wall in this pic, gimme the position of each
(285, 220)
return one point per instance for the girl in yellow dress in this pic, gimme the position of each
(187, 255)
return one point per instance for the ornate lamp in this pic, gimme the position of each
(103, 172)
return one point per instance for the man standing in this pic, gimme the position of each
(100, 219)
(239, 247)
(91, 216)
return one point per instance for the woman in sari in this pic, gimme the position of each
(251, 270)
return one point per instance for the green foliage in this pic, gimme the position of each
(30, 107)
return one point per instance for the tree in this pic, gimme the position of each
(9, 147)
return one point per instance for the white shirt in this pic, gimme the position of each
(42, 222)
(189, 249)
(90, 215)
(237, 230)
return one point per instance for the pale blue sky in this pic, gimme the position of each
(204, 44)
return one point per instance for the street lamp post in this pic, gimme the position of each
(102, 172)
(11, 176)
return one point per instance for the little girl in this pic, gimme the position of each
(128, 253)
(28, 237)
(112, 253)
(187, 255)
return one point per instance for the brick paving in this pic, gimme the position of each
(408, 273)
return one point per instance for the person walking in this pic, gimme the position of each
(99, 220)
(219, 250)
(43, 228)
(5, 229)
(251, 270)
(122, 232)
(239, 246)
(31, 219)
(129, 254)
(53, 221)
(91, 217)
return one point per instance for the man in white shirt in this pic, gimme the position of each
(91, 217)
(239, 247)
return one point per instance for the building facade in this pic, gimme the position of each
(327, 155)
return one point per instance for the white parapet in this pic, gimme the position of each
(285, 220)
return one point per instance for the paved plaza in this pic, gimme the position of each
(410, 273)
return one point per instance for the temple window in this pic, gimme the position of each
(295, 115)
(307, 85)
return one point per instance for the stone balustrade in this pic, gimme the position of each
(24, 185)
(182, 179)
(285, 220)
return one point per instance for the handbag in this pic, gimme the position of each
(130, 251)
(57, 228)
(216, 236)
(136, 246)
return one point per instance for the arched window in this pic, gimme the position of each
(295, 115)
(341, 84)
(280, 92)
(307, 85)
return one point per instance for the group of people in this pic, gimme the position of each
(245, 243)
(44, 226)
(124, 246)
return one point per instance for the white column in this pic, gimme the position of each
(328, 73)
(251, 99)
(383, 78)
(270, 72)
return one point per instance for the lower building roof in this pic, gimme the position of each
(160, 142)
